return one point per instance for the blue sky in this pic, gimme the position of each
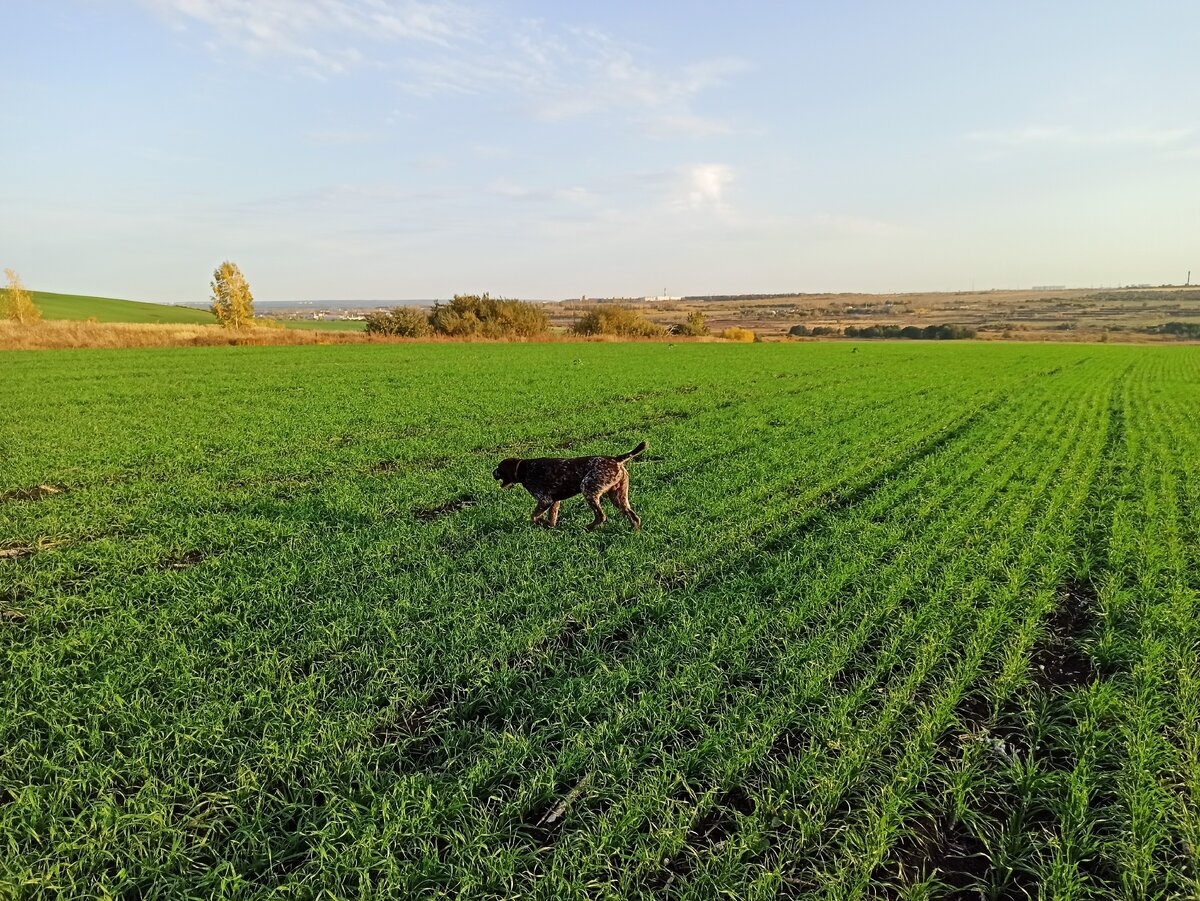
(381, 149)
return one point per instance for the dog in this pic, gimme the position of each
(551, 480)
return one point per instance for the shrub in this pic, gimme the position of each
(617, 319)
(694, 327)
(928, 333)
(1185, 330)
(402, 322)
(479, 315)
(734, 333)
(16, 304)
(799, 331)
(825, 331)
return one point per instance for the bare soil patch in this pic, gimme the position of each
(36, 493)
(1059, 662)
(182, 561)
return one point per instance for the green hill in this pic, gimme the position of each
(108, 309)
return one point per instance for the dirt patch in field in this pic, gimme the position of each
(1059, 661)
(458, 504)
(565, 641)
(36, 493)
(936, 846)
(542, 823)
(182, 561)
(709, 833)
(788, 744)
(412, 733)
(13, 553)
(720, 821)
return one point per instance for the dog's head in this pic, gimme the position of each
(506, 472)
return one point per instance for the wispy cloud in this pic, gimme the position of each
(552, 72)
(1050, 136)
(325, 37)
(572, 72)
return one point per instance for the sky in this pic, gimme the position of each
(386, 149)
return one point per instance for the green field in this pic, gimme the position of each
(108, 309)
(80, 307)
(915, 621)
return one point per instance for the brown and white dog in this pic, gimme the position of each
(551, 480)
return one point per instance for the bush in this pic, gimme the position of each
(479, 315)
(617, 319)
(739, 334)
(694, 327)
(928, 333)
(1184, 330)
(401, 322)
(16, 303)
(799, 331)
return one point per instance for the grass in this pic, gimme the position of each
(917, 621)
(67, 334)
(107, 309)
(80, 308)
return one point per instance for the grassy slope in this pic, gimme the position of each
(80, 307)
(108, 309)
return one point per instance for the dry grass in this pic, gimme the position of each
(64, 334)
(58, 335)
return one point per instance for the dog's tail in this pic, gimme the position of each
(633, 453)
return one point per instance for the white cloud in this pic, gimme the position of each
(704, 186)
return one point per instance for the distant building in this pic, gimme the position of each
(1049, 288)
(661, 297)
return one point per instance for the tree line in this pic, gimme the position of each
(914, 332)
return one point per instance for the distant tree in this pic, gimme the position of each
(232, 302)
(694, 327)
(799, 331)
(480, 315)
(928, 333)
(17, 303)
(402, 322)
(617, 319)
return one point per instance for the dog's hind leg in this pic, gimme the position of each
(619, 495)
